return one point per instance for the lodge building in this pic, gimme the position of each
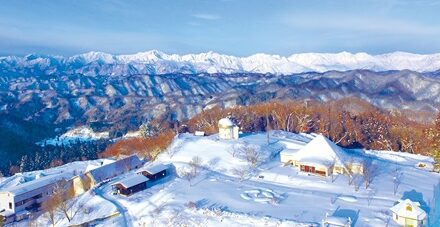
(18, 202)
(322, 157)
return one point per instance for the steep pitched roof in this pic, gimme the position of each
(414, 212)
(321, 151)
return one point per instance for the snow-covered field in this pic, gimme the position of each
(268, 195)
(81, 134)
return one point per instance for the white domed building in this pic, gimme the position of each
(227, 129)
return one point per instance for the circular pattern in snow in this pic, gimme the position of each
(260, 195)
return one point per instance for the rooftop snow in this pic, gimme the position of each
(132, 180)
(416, 212)
(115, 168)
(289, 151)
(338, 221)
(97, 165)
(34, 184)
(225, 122)
(156, 169)
(321, 151)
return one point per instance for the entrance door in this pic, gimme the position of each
(306, 168)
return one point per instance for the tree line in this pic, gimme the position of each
(349, 122)
(49, 156)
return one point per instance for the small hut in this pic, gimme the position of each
(409, 213)
(227, 129)
(156, 172)
(130, 185)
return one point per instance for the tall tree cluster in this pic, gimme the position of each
(148, 147)
(349, 122)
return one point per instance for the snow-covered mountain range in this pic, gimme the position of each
(155, 62)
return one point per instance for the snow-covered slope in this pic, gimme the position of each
(270, 195)
(83, 133)
(155, 62)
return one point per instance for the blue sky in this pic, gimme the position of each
(237, 27)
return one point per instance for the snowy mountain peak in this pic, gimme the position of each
(156, 62)
(94, 56)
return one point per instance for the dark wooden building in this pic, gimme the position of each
(155, 172)
(131, 185)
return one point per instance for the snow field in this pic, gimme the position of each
(270, 195)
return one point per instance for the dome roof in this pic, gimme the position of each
(225, 123)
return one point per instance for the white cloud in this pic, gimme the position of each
(205, 16)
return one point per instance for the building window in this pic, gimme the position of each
(10, 206)
(409, 208)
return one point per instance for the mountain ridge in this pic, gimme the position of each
(155, 62)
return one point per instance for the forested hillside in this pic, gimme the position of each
(350, 123)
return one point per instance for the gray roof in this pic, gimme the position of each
(116, 168)
(132, 180)
(34, 184)
(156, 169)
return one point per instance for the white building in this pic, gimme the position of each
(409, 213)
(199, 133)
(227, 129)
(20, 201)
(322, 157)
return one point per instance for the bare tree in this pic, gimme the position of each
(65, 207)
(189, 175)
(234, 150)
(333, 175)
(370, 196)
(241, 172)
(397, 179)
(58, 201)
(250, 154)
(370, 171)
(350, 171)
(195, 164)
(50, 207)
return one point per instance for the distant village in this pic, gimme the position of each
(320, 157)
